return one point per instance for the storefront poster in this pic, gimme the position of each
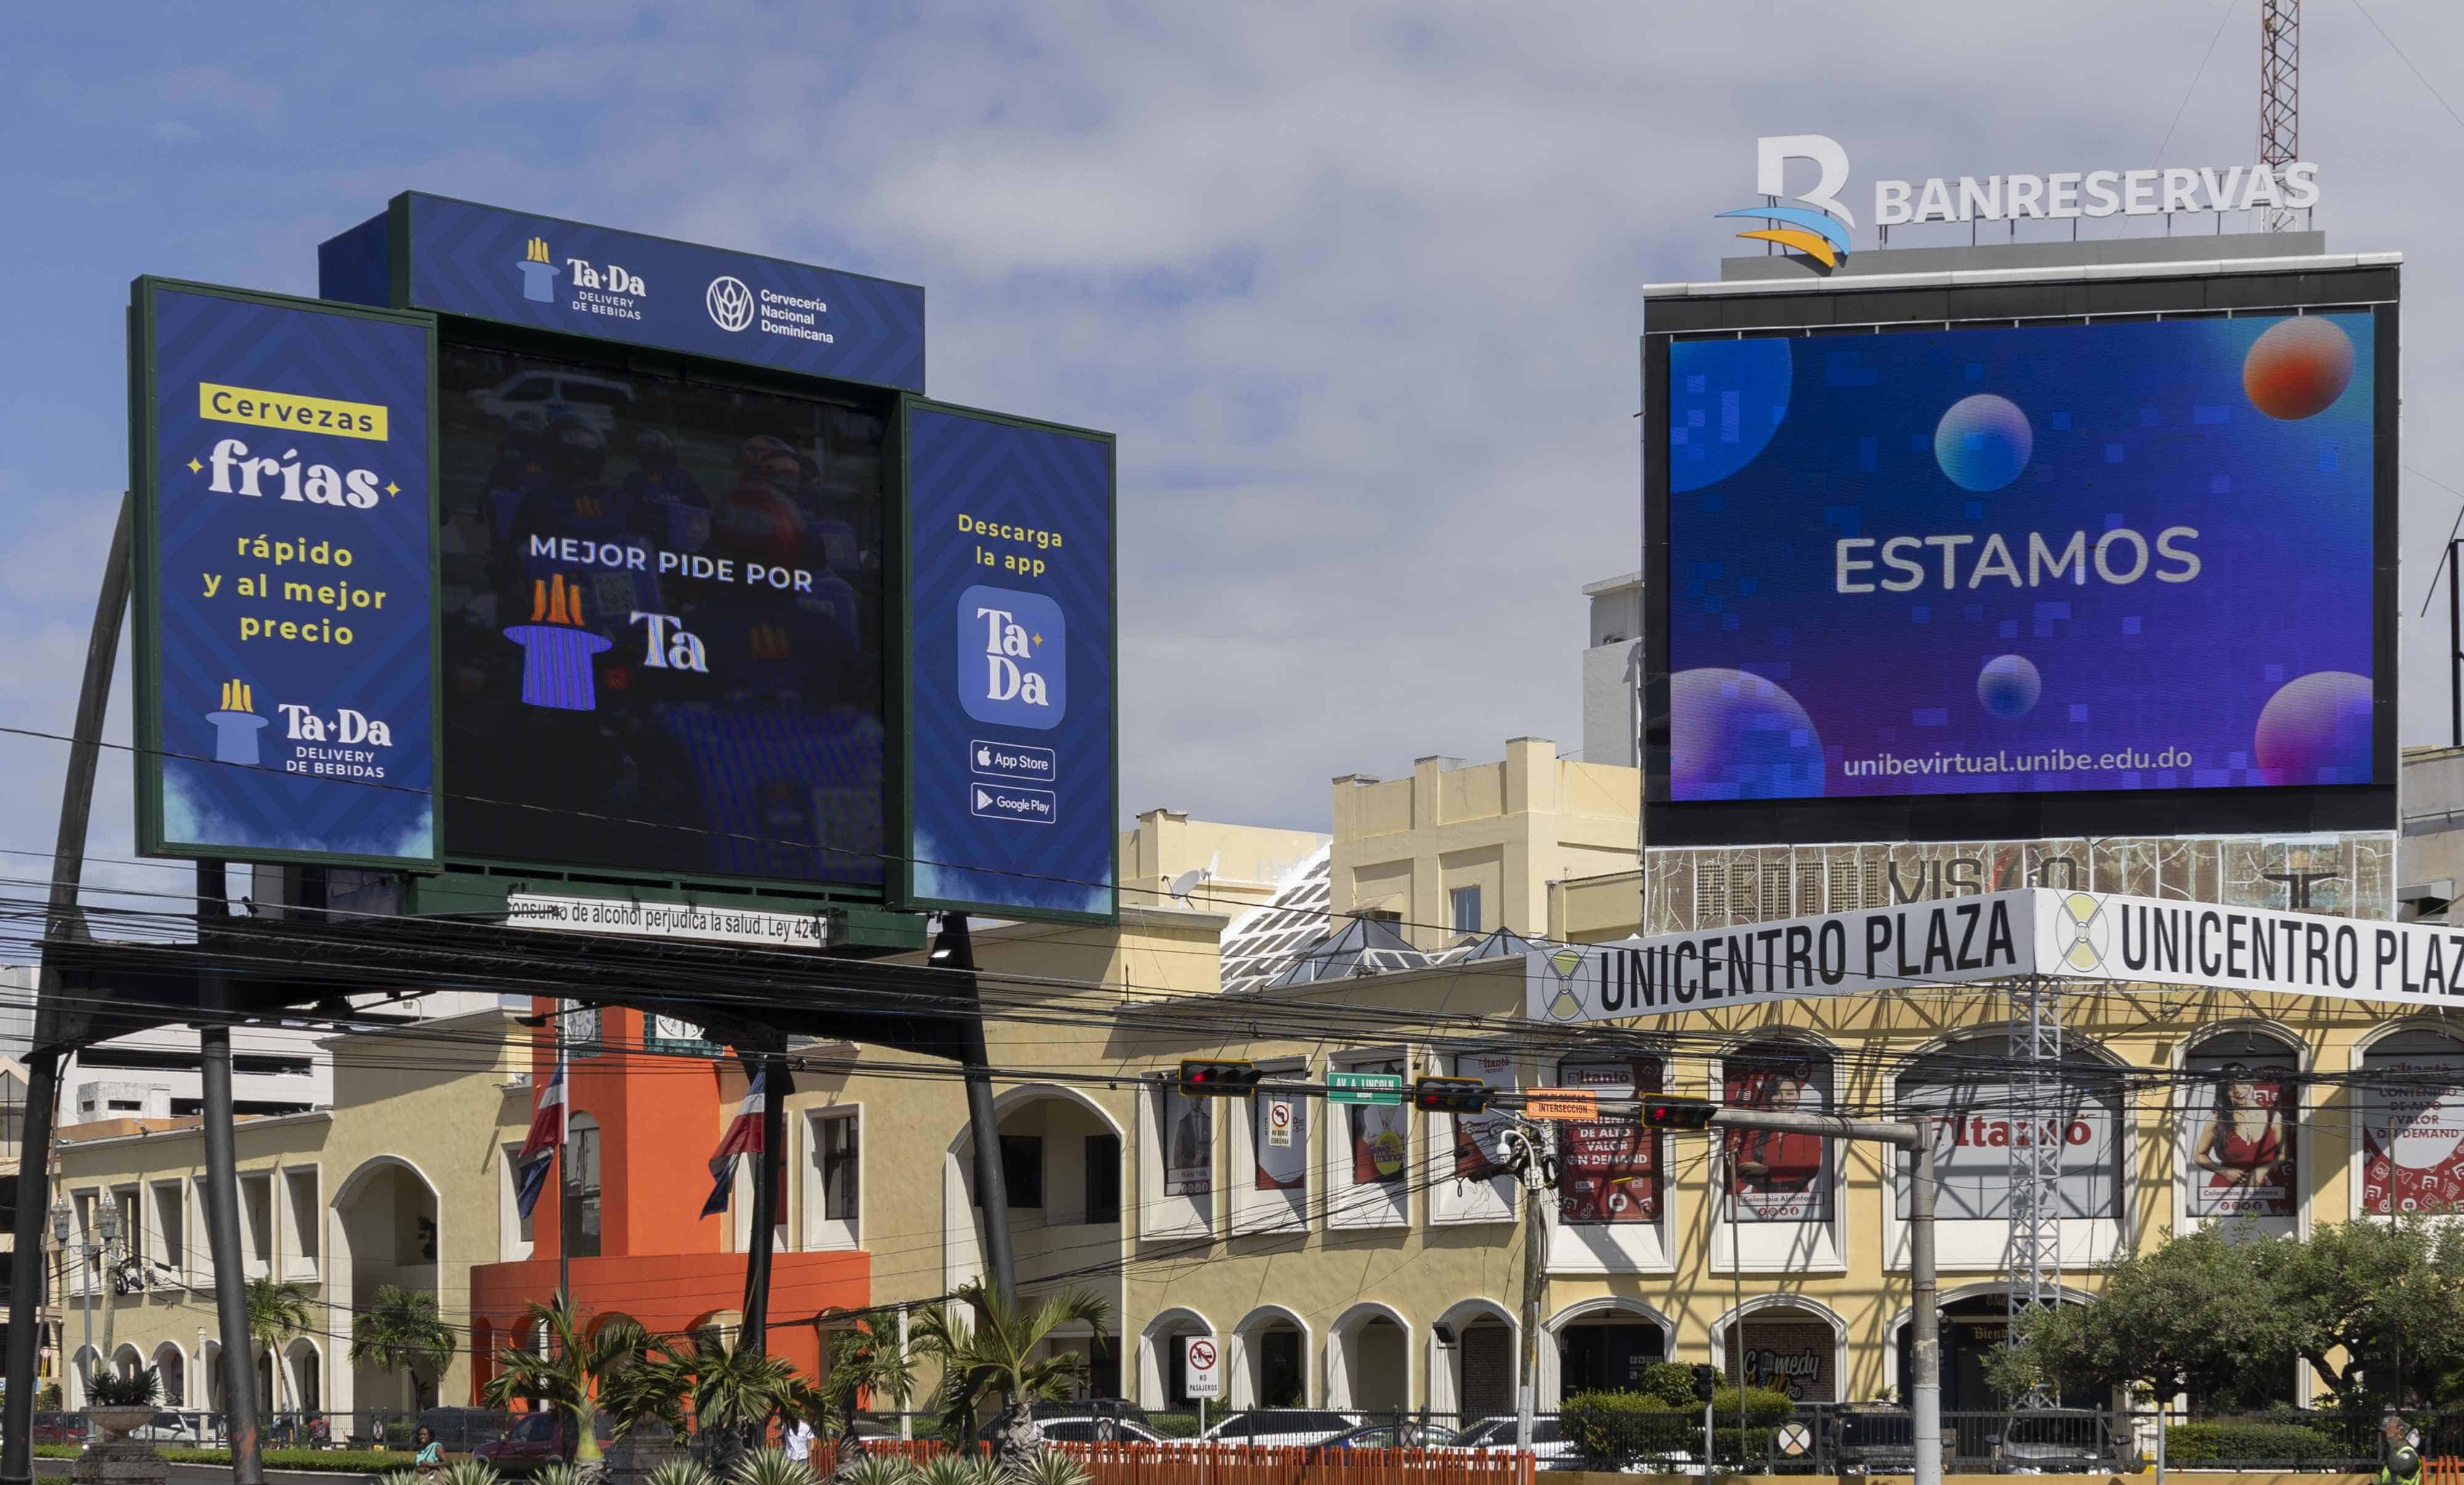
(1189, 1145)
(2240, 1126)
(1476, 1134)
(1776, 1177)
(1608, 1171)
(2412, 1135)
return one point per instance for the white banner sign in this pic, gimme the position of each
(2086, 937)
(669, 920)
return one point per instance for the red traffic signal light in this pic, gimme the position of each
(1451, 1096)
(1217, 1078)
(1666, 1111)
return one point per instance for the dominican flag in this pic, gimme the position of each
(546, 1136)
(743, 1138)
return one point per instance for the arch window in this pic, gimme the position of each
(1609, 1170)
(1968, 1091)
(2412, 1124)
(1777, 1176)
(2240, 1119)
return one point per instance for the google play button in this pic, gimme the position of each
(996, 802)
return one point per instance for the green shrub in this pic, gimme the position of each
(1613, 1430)
(2205, 1443)
(366, 1461)
(1670, 1382)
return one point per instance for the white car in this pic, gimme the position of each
(531, 398)
(1550, 1448)
(1079, 1429)
(1283, 1428)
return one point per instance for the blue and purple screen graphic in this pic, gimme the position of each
(2120, 556)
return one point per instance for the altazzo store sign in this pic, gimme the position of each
(2091, 937)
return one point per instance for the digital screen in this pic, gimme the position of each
(2110, 556)
(662, 623)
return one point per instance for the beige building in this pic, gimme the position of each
(397, 1183)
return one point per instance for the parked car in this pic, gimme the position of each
(1403, 1435)
(2055, 1440)
(1550, 1448)
(1283, 1428)
(1090, 1429)
(186, 1430)
(534, 1440)
(1048, 1412)
(532, 398)
(460, 1430)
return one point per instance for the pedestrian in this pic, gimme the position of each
(2402, 1467)
(800, 1440)
(429, 1460)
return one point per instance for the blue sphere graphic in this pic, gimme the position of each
(2009, 685)
(1983, 442)
(1733, 735)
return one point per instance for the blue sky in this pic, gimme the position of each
(1356, 285)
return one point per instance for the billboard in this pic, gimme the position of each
(1609, 1170)
(1960, 580)
(2412, 1126)
(1011, 736)
(285, 647)
(1776, 1177)
(543, 273)
(1977, 1117)
(663, 621)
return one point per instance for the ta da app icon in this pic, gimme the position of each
(1013, 658)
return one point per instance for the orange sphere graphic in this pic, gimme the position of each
(2298, 368)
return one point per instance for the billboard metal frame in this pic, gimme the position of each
(1842, 306)
(145, 712)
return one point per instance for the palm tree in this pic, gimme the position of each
(578, 1372)
(278, 1310)
(402, 1329)
(732, 1393)
(995, 1354)
(860, 1362)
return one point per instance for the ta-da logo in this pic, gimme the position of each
(1013, 658)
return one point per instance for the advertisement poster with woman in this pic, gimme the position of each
(1381, 1146)
(2238, 1120)
(2412, 1126)
(1776, 1177)
(1608, 1170)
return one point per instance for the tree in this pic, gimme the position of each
(995, 1354)
(860, 1362)
(278, 1310)
(728, 1394)
(401, 1329)
(575, 1376)
(2217, 1312)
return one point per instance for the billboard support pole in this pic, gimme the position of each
(222, 1192)
(64, 922)
(2033, 1248)
(2454, 650)
(955, 951)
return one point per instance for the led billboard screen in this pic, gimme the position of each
(661, 622)
(2100, 557)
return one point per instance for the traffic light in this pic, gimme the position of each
(1707, 1381)
(1218, 1078)
(1666, 1111)
(1451, 1096)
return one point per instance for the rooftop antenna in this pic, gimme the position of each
(1181, 887)
(2280, 97)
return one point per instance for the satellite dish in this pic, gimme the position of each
(1187, 882)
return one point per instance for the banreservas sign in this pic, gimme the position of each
(2082, 936)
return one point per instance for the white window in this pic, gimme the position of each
(1369, 1167)
(1271, 1170)
(257, 1222)
(306, 1221)
(200, 1253)
(1464, 906)
(834, 1185)
(513, 1229)
(172, 1228)
(127, 1202)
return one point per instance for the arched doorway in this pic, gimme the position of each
(1369, 1360)
(171, 1366)
(1269, 1360)
(80, 1375)
(1785, 1343)
(127, 1361)
(387, 1235)
(1474, 1360)
(1600, 1346)
(1160, 1358)
(307, 1379)
(1975, 1323)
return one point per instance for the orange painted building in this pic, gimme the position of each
(643, 1126)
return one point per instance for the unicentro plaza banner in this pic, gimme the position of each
(284, 597)
(1993, 560)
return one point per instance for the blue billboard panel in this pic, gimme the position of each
(1012, 786)
(459, 258)
(2119, 556)
(285, 641)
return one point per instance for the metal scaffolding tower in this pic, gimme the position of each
(2279, 96)
(2034, 1255)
